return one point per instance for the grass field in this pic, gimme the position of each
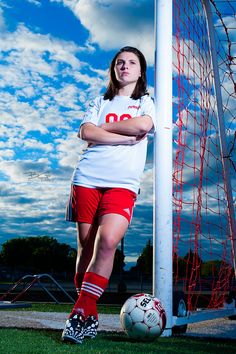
(38, 341)
(49, 342)
(51, 307)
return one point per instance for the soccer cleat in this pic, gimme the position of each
(90, 327)
(74, 330)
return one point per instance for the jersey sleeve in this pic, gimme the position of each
(148, 108)
(92, 113)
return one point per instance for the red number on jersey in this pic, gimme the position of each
(113, 117)
(125, 116)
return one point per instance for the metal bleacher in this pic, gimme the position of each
(42, 281)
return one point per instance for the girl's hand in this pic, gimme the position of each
(136, 139)
(141, 137)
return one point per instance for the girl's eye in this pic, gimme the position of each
(119, 62)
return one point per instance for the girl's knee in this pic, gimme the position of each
(108, 243)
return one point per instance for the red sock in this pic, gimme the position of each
(78, 279)
(92, 288)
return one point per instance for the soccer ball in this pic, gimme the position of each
(143, 317)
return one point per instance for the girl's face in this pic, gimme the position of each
(127, 68)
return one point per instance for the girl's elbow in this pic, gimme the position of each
(81, 135)
(88, 133)
(84, 133)
(146, 126)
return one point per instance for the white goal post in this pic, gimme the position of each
(163, 228)
(162, 240)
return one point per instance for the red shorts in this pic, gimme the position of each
(88, 204)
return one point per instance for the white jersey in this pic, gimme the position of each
(112, 166)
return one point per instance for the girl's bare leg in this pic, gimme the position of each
(86, 234)
(112, 228)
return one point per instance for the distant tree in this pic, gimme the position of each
(179, 266)
(193, 264)
(45, 254)
(40, 253)
(119, 263)
(183, 265)
(211, 268)
(145, 261)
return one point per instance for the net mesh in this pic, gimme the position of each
(203, 259)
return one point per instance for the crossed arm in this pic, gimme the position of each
(126, 132)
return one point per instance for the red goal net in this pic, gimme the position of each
(203, 254)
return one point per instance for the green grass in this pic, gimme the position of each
(35, 341)
(19, 341)
(50, 307)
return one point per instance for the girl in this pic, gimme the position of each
(106, 182)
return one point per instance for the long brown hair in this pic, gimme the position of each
(141, 85)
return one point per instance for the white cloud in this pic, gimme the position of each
(28, 45)
(113, 24)
(6, 153)
(66, 96)
(69, 149)
(35, 69)
(146, 188)
(18, 171)
(35, 2)
(20, 115)
(37, 145)
(229, 23)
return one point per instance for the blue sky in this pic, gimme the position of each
(54, 59)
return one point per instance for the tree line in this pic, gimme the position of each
(45, 254)
(182, 266)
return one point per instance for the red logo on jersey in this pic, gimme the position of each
(135, 107)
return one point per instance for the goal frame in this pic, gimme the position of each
(163, 151)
